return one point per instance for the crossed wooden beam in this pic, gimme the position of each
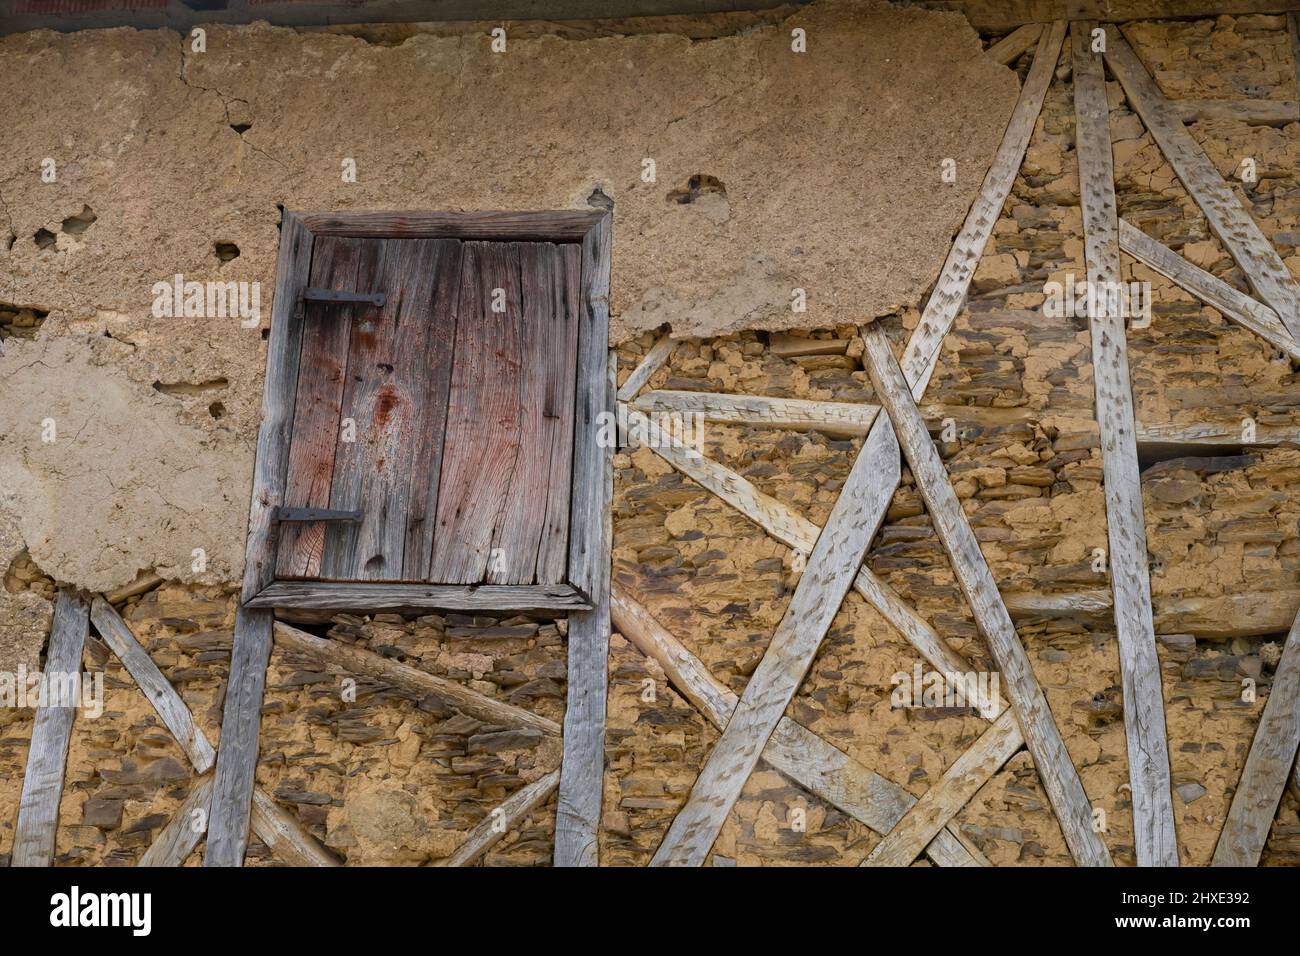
(37, 827)
(755, 721)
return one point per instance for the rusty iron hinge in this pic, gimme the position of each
(281, 513)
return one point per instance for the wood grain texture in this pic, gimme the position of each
(171, 709)
(831, 568)
(1272, 755)
(795, 751)
(317, 405)
(1155, 839)
(1015, 43)
(653, 361)
(1253, 112)
(184, 831)
(1210, 289)
(361, 596)
(563, 224)
(279, 395)
(346, 659)
(1227, 219)
(38, 805)
(959, 783)
(237, 757)
(997, 15)
(494, 826)
(582, 770)
(831, 418)
(284, 836)
(1051, 759)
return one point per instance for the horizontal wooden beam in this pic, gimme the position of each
(832, 418)
(353, 660)
(1015, 43)
(807, 759)
(1253, 112)
(999, 15)
(556, 226)
(368, 596)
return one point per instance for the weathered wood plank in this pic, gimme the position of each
(998, 15)
(284, 836)
(1155, 839)
(175, 715)
(795, 751)
(145, 582)
(1272, 755)
(582, 771)
(502, 820)
(1232, 224)
(561, 398)
(483, 415)
(563, 224)
(831, 418)
(1052, 760)
(1253, 112)
(960, 782)
(788, 345)
(362, 596)
(831, 568)
(237, 758)
(1009, 48)
(284, 351)
(653, 361)
(319, 399)
(47, 756)
(353, 660)
(1210, 289)
(538, 493)
(184, 831)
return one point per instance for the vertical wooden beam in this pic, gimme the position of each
(1232, 224)
(1051, 759)
(1154, 836)
(582, 770)
(1272, 755)
(232, 794)
(38, 807)
(284, 350)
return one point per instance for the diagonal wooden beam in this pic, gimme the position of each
(504, 819)
(944, 800)
(1155, 839)
(284, 836)
(1015, 43)
(1262, 266)
(1272, 755)
(1052, 760)
(47, 757)
(651, 363)
(184, 831)
(829, 574)
(795, 751)
(338, 656)
(1210, 289)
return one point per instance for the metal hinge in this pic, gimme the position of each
(334, 297)
(281, 513)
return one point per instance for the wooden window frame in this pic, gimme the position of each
(589, 525)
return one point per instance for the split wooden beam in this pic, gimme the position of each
(232, 796)
(651, 363)
(340, 657)
(582, 768)
(1155, 839)
(1232, 224)
(1269, 763)
(1210, 289)
(47, 757)
(1043, 738)
(1009, 48)
(503, 819)
(807, 759)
